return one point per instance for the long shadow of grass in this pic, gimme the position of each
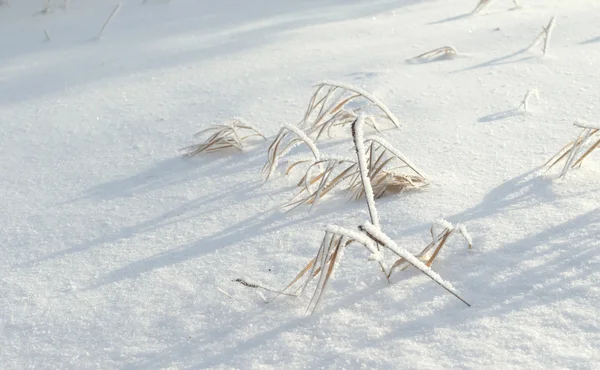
(560, 249)
(590, 41)
(506, 59)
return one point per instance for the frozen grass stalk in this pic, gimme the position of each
(229, 134)
(278, 148)
(357, 134)
(443, 52)
(545, 35)
(380, 238)
(484, 3)
(335, 104)
(109, 19)
(525, 102)
(570, 152)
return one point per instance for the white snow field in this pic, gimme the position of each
(117, 253)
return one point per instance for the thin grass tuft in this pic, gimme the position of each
(571, 152)
(229, 134)
(544, 36)
(335, 104)
(525, 102)
(287, 138)
(484, 3)
(439, 239)
(441, 53)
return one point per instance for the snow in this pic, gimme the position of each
(585, 124)
(116, 251)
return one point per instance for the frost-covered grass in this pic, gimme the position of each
(118, 253)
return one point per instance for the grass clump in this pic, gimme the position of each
(571, 153)
(229, 134)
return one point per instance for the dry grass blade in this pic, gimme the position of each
(323, 265)
(287, 138)
(230, 134)
(570, 152)
(382, 160)
(253, 285)
(439, 239)
(380, 238)
(480, 6)
(443, 52)
(545, 35)
(335, 105)
(525, 102)
(315, 185)
(484, 3)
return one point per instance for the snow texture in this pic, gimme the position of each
(114, 247)
(586, 124)
(465, 233)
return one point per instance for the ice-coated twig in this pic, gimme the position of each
(545, 35)
(380, 238)
(525, 102)
(108, 20)
(359, 144)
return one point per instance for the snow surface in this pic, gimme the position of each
(116, 253)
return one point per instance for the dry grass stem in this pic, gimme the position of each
(287, 138)
(439, 239)
(109, 19)
(322, 267)
(545, 35)
(484, 3)
(254, 285)
(334, 105)
(330, 173)
(481, 5)
(443, 52)
(383, 161)
(570, 152)
(229, 134)
(525, 103)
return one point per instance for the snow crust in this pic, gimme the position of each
(116, 251)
